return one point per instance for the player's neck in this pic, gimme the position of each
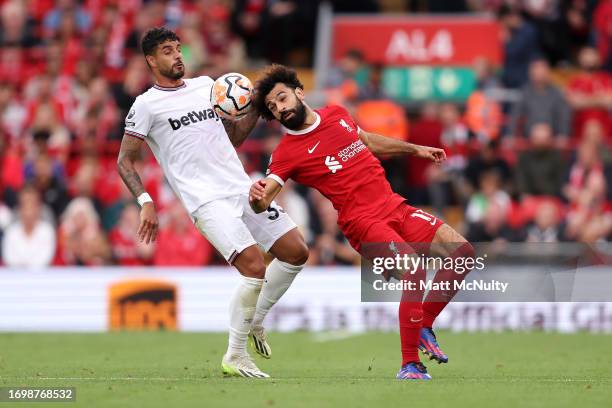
(164, 82)
(311, 118)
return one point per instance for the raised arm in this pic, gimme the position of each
(262, 193)
(128, 154)
(388, 146)
(239, 129)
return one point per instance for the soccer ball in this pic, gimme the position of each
(231, 95)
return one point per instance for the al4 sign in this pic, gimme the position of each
(413, 45)
(424, 40)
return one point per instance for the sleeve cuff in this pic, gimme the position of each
(277, 179)
(135, 134)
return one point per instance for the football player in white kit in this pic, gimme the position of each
(196, 151)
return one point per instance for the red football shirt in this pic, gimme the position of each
(330, 157)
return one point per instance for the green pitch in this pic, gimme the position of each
(183, 369)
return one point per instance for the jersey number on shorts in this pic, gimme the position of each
(425, 216)
(274, 210)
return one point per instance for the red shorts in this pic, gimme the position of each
(404, 224)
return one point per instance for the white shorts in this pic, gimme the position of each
(231, 225)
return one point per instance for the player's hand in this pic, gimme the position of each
(257, 191)
(431, 153)
(147, 232)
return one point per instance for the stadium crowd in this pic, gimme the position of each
(528, 153)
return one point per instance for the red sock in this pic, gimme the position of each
(410, 320)
(436, 301)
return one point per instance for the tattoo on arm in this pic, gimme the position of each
(128, 154)
(238, 130)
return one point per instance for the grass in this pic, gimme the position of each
(183, 369)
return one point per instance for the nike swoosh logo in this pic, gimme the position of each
(416, 321)
(313, 148)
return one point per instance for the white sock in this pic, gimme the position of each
(279, 276)
(242, 309)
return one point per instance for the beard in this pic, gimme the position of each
(298, 118)
(175, 72)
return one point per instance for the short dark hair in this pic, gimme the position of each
(155, 36)
(273, 75)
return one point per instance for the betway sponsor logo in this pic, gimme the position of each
(192, 117)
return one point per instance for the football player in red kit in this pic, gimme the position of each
(326, 150)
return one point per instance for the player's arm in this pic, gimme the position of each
(238, 130)
(388, 146)
(262, 193)
(129, 153)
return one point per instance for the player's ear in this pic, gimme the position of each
(151, 61)
(299, 92)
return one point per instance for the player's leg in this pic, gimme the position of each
(291, 253)
(418, 226)
(447, 243)
(382, 240)
(220, 222)
(276, 233)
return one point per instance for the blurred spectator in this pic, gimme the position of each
(193, 45)
(179, 243)
(30, 240)
(330, 246)
(127, 249)
(247, 22)
(284, 41)
(521, 46)
(493, 227)
(225, 50)
(12, 111)
(575, 21)
(6, 217)
(384, 117)
(295, 205)
(483, 115)
(541, 102)
(547, 226)
(100, 107)
(590, 217)
(135, 82)
(540, 168)
(489, 160)
(82, 183)
(444, 180)
(426, 130)
(348, 77)
(602, 24)
(16, 27)
(11, 171)
(67, 12)
(47, 179)
(589, 93)
(489, 193)
(81, 241)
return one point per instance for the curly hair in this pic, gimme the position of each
(273, 75)
(155, 36)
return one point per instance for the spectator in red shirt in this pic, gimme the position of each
(589, 218)
(589, 92)
(602, 22)
(127, 249)
(179, 243)
(425, 131)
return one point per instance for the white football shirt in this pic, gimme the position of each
(189, 142)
